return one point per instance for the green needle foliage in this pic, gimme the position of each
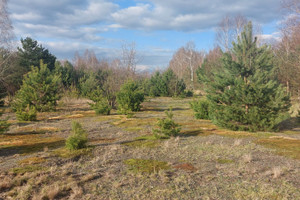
(129, 98)
(4, 126)
(201, 109)
(167, 126)
(245, 95)
(78, 139)
(39, 91)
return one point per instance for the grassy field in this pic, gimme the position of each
(124, 160)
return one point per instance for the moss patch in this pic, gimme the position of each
(32, 160)
(135, 122)
(283, 146)
(148, 166)
(29, 143)
(65, 153)
(27, 168)
(224, 161)
(97, 141)
(149, 141)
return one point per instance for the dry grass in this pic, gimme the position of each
(52, 192)
(36, 130)
(247, 158)
(277, 171)
(219, 165)
(6, 183)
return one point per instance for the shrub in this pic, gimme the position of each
(201, 109)
(3, 124)
(72, 92)
(129, 98)
(78, 139)
(101, 107)
(167, 126)
(40, 89)
(298, 116)
(87, 84)
(166, 84)
(27, 114)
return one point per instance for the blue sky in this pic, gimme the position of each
(158, 27)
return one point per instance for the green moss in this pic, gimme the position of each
(283, 146)
(29, 143)
(224, 161)
(27, 168)
(32, 160)
(148, 166)
(66, 153)
(149, 141)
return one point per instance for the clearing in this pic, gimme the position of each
(124, 160)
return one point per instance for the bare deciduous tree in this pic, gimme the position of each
(184, 63)
(6, 38)
(287, 50)
(230, 29)
(6, 28)
(129, 58)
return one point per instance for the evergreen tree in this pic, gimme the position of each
(4, 125)
(67, 72)
(39, 90)
(166, 84)
(129, 98)
(31, 53)
(244, 95)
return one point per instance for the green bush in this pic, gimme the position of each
(129, 98)
(101, 107)
(4, 126)
(40, 89)
(28, 114)
(78, 139)
(167, 126)
(201, 109)
(298, 116)
(165, 84)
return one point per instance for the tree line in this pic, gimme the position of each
(247, 82)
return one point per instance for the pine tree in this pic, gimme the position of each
(39, 90)
(129, 98)
(244, 95)
(4, 125)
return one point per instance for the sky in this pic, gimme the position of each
(157, 27)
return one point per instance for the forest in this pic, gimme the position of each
(222, 124)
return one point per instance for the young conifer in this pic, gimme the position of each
(244, 95)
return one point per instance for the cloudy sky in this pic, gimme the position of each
(158, 27)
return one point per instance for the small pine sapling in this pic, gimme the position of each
(78, 140)
(167, 126)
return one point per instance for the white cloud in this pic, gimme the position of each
(78, 24)
(192, 15)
